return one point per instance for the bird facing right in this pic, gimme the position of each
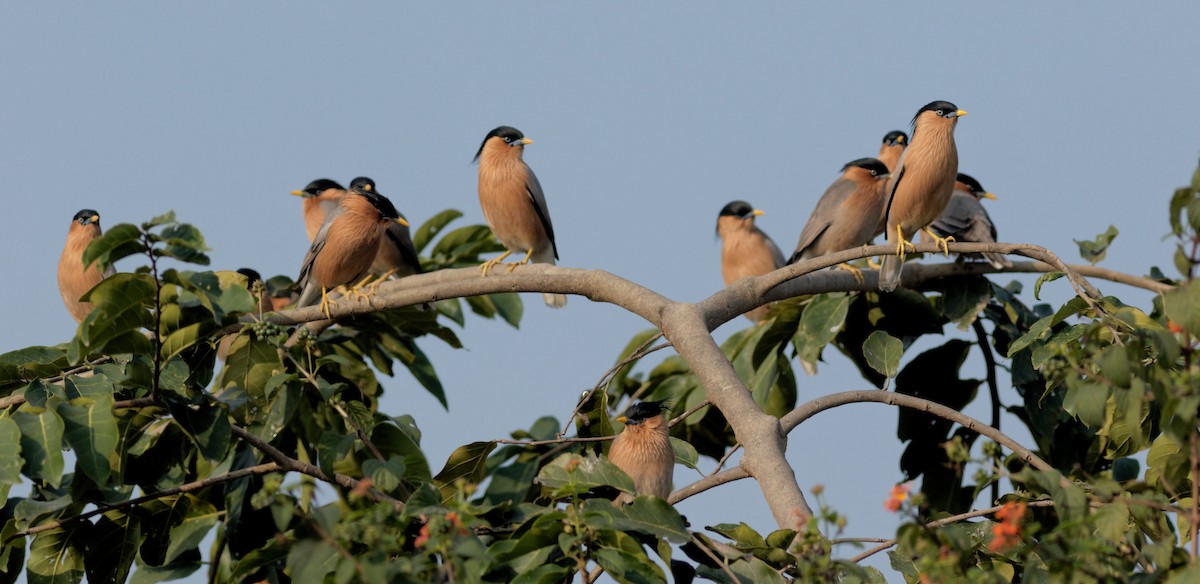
(892, 147)
(397, 254)
(745, 249)
(966, 220)
(643, 450)
(321, 197)
(75, 279)
(513, 203)
(849, 214)
(343, 250)
(921, 183)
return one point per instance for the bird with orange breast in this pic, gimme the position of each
(966, 220)
(745, 250)
(397, 255)
(848, 214)
(892, 147)
(643, 450)
(514, 205)
(345, 247)
(75, 279)
(321, 196)
(921, 184)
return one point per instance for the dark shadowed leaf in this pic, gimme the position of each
(185, 536)
(41, 442)
(431, 227)
(1047, 277)
(466, 463)
(112, 547)
(119, 241)
(91, 430)
(56, 556)
(820, 322)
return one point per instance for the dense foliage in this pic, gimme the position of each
(167, 444)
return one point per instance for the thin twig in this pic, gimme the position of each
(606, 378)
(994, 391)
(553, 441)
(725, 459)
(946, 521)
(722, 562)
(688, 414)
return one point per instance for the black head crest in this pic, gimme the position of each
(319, 186)
(941, 108)
(642, 411)
(381, 203)
(873, 165)
(363, 183)
(251, 275)
(895, 137)
(86, 216)
(507, 133)
(972, 184)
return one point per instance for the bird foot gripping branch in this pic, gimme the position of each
(903, 246)
(943, 243)
(855, 272)
(488, 265)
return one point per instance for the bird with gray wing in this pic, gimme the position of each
(514, 205)
(921, 184)
(745, 250)
(848, 214)
(966, 220)
(397, 255)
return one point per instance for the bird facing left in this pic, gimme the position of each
(75, 279)
(514, 205)
(344, 248)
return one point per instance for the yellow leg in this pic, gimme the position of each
(492, 262)
(374, 287)
(857, 273)
(871, 263)
(942, 242)
(326, 302)
(528, 254)
(903, 246)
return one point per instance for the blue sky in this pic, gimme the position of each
(647, 119)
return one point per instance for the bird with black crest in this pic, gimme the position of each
(74, 278)
(848, 214)
(745, 249)
(966, 220)
(643, 450)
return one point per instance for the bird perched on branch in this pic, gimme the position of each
(893, 144)
(321, 196)
(643, 450)
(397, 254)
(514, 205)
(921, 183)
(966, 220)
(745, 250)
(344, 248)
(75, 279)
(848, 215)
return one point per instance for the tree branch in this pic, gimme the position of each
(726, 476)
(800, 414)
(946, 521)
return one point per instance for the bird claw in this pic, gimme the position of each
(327, 302)
(523, 261)
(855, 272)
(943, 243)
(903, 246)
(488, 265)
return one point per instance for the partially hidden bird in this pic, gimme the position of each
(921, 184)
(966, 220)
(893, 145)
(848, 214)
(321, 196)
(345, 247)
(75, 279)
(643, 450)
(397, 255)
(514, 205)
(745, 249)
(257, 288)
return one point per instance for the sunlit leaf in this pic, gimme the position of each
(882, 352)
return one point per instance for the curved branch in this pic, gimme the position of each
(736, 473)
(800, 414)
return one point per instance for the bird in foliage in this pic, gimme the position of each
(893, 144)
(848, 214)
(745, 250)
(397, 254)
(345, 247)
(74, 278)
(643, 450)
(966, 220)
(514, 205)
(921, 183)
(321, 197)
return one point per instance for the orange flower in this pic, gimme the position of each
(1174, 327)
(422, 537)
(1007, 532)
(897, 498)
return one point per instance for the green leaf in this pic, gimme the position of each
(122, 303)
(165, 218)
(1047, 277)
(120, 241)
(1182, 305)
(629, 568)
(249, 365)
(422, 369)
(820, 322)
(55, 557)
(1181, 200)
(650, 515)
(432, 226)
(184, 243)
(882, 352)
(112, 546)
(1167, 462)
(147, 574)
(1126, 469)
(386, 476)
(91, 430)
(31, 363)
(743, 536)
(509, 307)
(964, 298)
(10, 458)
(41, 443)
(572, 474)
(1086, 402)
(685, 453)
(309, 562)
(467, 463)
(1094, 251)
(187, 535)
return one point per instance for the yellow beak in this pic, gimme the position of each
(402, 221)
(757, 212)
(297, 193)
(526, 141)
(960, 113)
(990, 196)
(621, 419)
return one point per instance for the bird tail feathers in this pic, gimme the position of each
(889, 273)
(555, 300)
(998, 260)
